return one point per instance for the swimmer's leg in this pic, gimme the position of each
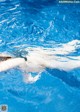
(65, 64)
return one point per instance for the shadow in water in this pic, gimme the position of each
(66, 77)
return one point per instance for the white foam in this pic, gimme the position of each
(68, 47)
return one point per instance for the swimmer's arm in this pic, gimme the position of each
(11, 63)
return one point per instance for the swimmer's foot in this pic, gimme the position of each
(30, 79)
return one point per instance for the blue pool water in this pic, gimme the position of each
(25, 23)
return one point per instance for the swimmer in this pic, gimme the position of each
(38, 59)
(37, 62)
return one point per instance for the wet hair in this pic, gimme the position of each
(4, 58)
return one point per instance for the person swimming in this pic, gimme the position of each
(38, 59)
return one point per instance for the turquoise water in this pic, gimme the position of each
(46, 23)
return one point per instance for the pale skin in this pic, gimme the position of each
(37, 65)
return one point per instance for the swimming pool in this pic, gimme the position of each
(25, 23)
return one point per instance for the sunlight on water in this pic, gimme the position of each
(49, 35)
